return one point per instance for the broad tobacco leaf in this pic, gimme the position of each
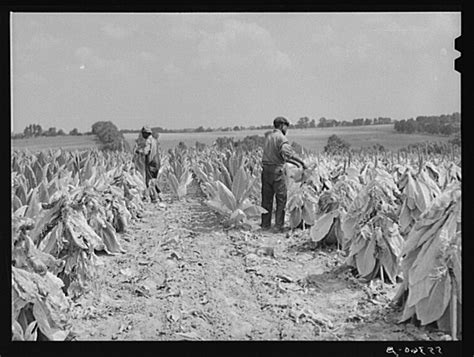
(322, 225)
(366, 259)
(309, 213)
(432, 308)
(226, 197)
(295, 217)
(50, 306)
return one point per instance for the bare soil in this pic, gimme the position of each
(184, 277)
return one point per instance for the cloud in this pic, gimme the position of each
(31, 79)
(323, 35)
(88, 58)
(185, 31)
(194, 26)
(147, 56)
(240, 44)
(43, 41)
(115, 31)
(415, 31)
(173, 71)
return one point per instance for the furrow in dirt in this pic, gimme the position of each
(184, 277)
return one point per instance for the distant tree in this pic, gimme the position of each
(28, 131)
(410, 126)
(74, 132)
(336, 145)
(312, 123)
(332, 123)
(32, 130)
(51, 132)
(200, 129)
(322, 122)
(447, 129)
(384, 120)
(456, 140)
(17, 136)
(61, 132)
(109, 136)
(236, 128)
(368, 121)
(302, 123)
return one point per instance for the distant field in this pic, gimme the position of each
(65, 142)
(313, 139)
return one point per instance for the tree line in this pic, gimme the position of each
(446, 124)
(35, 130)
(302, 123)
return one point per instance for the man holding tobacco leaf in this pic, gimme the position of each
(276, 152)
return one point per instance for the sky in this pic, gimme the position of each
(185, 70)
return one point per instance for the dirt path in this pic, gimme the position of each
(184, 277)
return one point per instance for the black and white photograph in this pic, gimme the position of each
(236, 176)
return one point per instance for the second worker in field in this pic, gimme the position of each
(149, 150)
(276, 152)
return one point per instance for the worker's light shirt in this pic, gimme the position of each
(150, 149)
(276, 149)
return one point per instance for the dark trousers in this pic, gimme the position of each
(151, 172)
(273, 184)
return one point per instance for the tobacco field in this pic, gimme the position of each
(374, 250)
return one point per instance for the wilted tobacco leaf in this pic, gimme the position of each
(16, 203)
(17, 331)
(295, 200)
(348, 226)
(80, 232)
(109, 238)
(29, 174)
(226, 196)
(322, 226)
(426, 262)
(419, 291)
(253, 210)
(295, 217)
(218, 206)
(239, 184)
(432, 308)
(366, 259)
(43, 291)
(31, 332)
(308, 213)
(184, 182)
(408, 312)
(357, 244)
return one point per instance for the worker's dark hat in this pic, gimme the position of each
(280, 120)
(146, 129)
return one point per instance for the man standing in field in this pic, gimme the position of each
(276, 151)
(149, 149)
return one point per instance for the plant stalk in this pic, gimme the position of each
(454, 312)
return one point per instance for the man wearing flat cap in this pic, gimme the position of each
(149, 150)
(276, 152)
